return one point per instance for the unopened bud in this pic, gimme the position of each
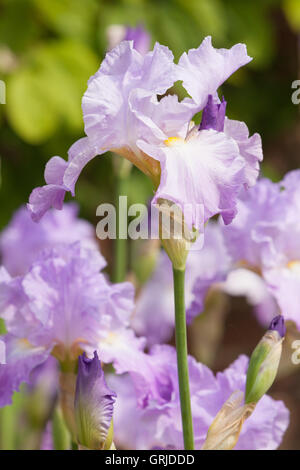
(175, 235)
(93, 405)
(264, 361)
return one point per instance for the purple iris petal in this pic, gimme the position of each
(21, 358)
(203, 70)
(213, 115)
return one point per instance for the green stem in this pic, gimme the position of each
(120, 255)
(122, 173)
(182, 359)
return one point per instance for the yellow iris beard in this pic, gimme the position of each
(171, 141)
(294, 265)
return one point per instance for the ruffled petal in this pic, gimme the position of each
(202, 175)
(105, 104)
(257, 207)
(80, 154)
(21, 359)
(22, 240)
(285, 286)
(250, 148)
(54, 170)
(42, 198)
(123, 349)
(204, 69)
(265, 428)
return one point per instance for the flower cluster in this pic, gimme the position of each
(59, 306)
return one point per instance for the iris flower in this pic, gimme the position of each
(64, 305)
(126, 110)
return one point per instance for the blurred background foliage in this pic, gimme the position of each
(49, 48)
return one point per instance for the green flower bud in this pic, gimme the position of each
(175, 235)
(264, 361)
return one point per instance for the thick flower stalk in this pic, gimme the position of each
(94, 403)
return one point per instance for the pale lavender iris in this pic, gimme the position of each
(158, 424)
(265, 236)
(62, 306)
(122, 112)
(23, 240)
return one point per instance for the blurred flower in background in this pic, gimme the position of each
(117, 33)
(265, 236)
(22, 240)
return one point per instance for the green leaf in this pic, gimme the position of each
(291, 9)
(69, 18)
(46, 91)
(29, 110)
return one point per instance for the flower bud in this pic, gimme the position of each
(264, 361)
(93, 405)
(175, 235)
